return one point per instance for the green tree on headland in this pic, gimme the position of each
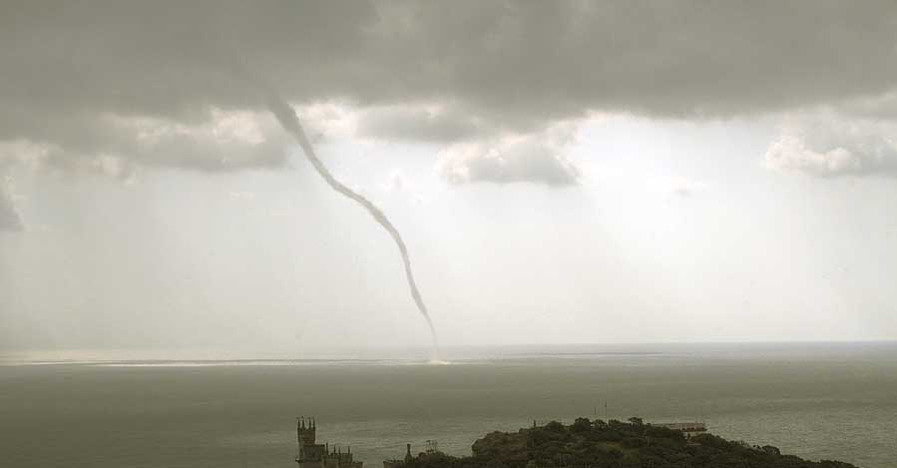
(614, 444)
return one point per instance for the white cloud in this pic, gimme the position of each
(112, 144)
(9, 216)
(832, 146)
(538, 158)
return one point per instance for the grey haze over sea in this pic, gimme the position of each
(815, 400)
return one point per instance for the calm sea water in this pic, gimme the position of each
(836, 401)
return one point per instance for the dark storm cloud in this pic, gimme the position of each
(419, 124)
(73, 71)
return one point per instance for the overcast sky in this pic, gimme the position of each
(562, 172)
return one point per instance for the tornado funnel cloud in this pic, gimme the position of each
(290, 122)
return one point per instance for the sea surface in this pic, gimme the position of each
(814, 400)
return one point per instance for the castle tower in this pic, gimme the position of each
(305, 430)
(309, 452)
(314, 455)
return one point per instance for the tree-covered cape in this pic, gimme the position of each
(613, 444)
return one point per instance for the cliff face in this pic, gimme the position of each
(614, 444)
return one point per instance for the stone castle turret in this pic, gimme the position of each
(314, 455)
(305, 433)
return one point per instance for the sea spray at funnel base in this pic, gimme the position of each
(290, 122)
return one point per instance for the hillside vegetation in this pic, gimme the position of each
(613, 444)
